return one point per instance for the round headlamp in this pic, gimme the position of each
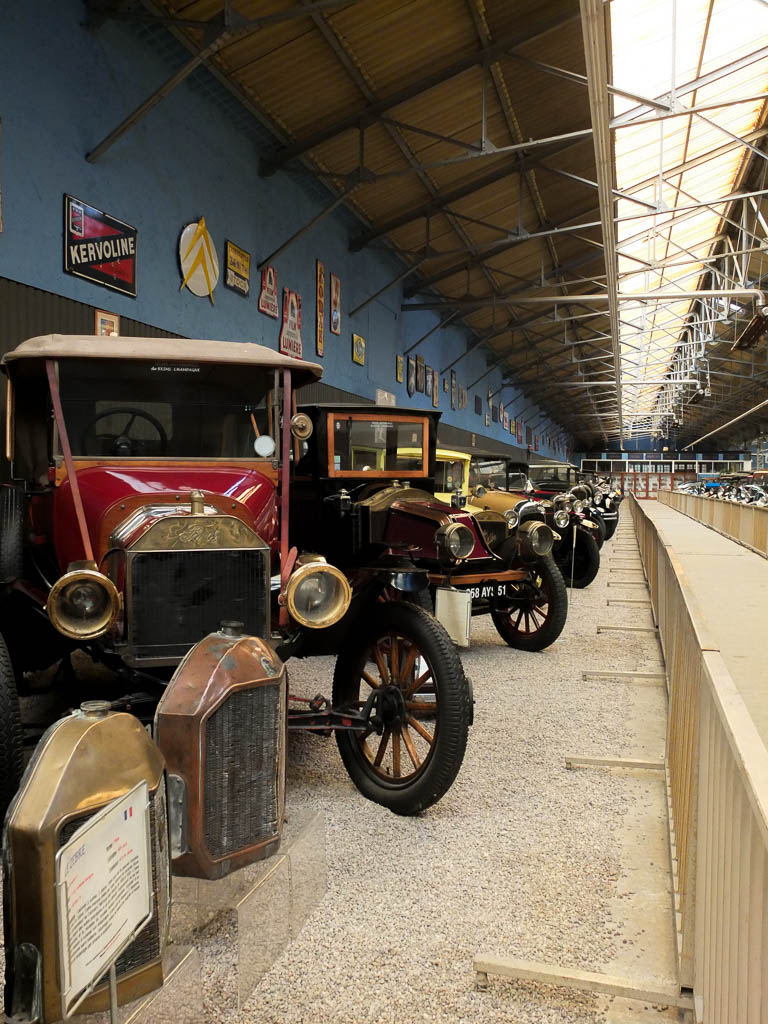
(83, 603)
(454, 541)
(317, 595)
(578, 505)
(513, 518)
(587, 502)
(536, 539)
(598, 499)
(561, 519)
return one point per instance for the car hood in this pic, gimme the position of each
(111, 493)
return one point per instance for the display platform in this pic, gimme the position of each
(179, 1001)
(254, 913)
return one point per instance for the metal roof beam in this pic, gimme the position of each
(627, 118)
(518, 165)
(220, 31)
(504, 245)
(373, 111)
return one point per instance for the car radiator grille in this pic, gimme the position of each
(148, 945)
(178, 597)
(494, 532)
(243, 768)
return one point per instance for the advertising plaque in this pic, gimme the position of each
(103, 893)
(268, 295)
(320, 309)
(238, 276)
(290, 335)
(199, 260)
(99, 247)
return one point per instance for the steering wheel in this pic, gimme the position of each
(122, 444)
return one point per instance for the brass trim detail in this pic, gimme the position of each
(337, 611)
(83, 571)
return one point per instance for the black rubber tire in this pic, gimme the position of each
(610, 527)
(11, 534)
(11, 739)
(421, 598)
(587, 561)
(508, 620)
(452, 712)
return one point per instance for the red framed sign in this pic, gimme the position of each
(99, 247)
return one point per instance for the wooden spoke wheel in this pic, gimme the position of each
(533, 618)
(411, 753)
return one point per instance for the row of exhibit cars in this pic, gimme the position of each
(175, 513)
(742, 488)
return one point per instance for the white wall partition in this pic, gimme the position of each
(717, 777)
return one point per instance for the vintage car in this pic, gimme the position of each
(602, 502)
(501, 484)
(363, 495)
(147, 509)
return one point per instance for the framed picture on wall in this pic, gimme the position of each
(427, 380)
(454, 392)
(420, 373)
(411, 375)
(107, 325)
(445, 385)
(335, 304)
(358, 349)
(487, 419)
(435, 389)
(399, 369)
(506, 421)
(478, 405)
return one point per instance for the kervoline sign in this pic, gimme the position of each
(98, 247)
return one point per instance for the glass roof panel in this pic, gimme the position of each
(681, 162)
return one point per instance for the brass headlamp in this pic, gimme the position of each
(83, 603)
(317, 594)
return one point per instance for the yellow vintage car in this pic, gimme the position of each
(498, 485)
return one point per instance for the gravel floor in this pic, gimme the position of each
(521, 857)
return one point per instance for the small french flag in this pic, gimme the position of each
(128, 814)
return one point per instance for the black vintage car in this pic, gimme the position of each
(503, 484)
(363, 496)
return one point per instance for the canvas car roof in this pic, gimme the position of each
(167, 350)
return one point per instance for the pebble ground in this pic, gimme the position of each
(521, 858)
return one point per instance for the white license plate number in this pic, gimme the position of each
(486, 590)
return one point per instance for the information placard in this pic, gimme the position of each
(104, 892)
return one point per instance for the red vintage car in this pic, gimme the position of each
(148, 505)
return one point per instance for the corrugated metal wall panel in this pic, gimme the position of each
(26, 312)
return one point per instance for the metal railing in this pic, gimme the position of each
(747, 524)
(717, 781)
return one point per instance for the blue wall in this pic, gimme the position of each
(63, 88)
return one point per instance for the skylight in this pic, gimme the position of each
(675, 165)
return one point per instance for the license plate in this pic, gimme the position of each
(491, 588)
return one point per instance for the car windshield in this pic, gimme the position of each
(517, 482)
(488, 473)
(132, 408)
(449, 475)
(563, 474)
(372, 444)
